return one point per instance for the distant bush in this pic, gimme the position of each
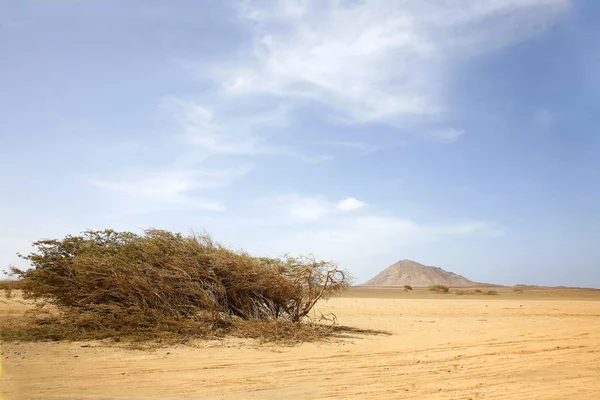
(11, 284)
(108, 283)
(8, 286)
(439, 288)
(464, 292)
(408, 287)
(478, 291)
(491, 293)
(518, 290)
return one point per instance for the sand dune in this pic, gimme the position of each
(543, 344)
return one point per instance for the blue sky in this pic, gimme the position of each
(462, 134)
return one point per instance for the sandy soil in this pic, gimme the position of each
(543, 344)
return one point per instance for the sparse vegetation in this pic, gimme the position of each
(518, 291)
(108, 284)
(464, 292)
(491, 293)
(9, 285)
(407, 288)
(478, 291)
(439, 288)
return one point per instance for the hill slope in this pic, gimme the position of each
(407, 272)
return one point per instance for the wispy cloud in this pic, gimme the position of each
(293, 208)
(181, 188)
(239, 133)
(207, 156)
(350, 204)
(374, 60)
(338, 230)
(379, 234)
(369, 61)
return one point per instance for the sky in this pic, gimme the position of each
(461, 134)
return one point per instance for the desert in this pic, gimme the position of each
(542, 343)
(299, 199)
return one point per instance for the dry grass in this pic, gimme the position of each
(48, 328)
(491, 293)
(167, 286)
(439, 288)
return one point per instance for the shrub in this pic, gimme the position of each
(9, 285)
(408, 287)
(518, 290)
(492, 293)
(478, 291)
(464, 292)
(111, 283)
(439, 288)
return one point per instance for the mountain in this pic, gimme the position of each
(407, 272)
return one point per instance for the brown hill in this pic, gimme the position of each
(407, 272)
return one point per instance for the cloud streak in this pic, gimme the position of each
(350, 204)
(374, 60)
(293, 208)
(175, 188)
(362, 62)
(346, 232)
(238, 134)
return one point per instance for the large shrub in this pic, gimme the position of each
(161, 279)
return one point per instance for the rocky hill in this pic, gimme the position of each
(407, 272)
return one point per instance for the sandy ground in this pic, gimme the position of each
(543, 344)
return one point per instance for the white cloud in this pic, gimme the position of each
(238, 133)
(248, 130)
(358, 242)
(377, 234)
(293, 208)
(350, 204)
(175, 188)
(375, 60)
(334, 230)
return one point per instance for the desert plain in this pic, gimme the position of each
(543, 343)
